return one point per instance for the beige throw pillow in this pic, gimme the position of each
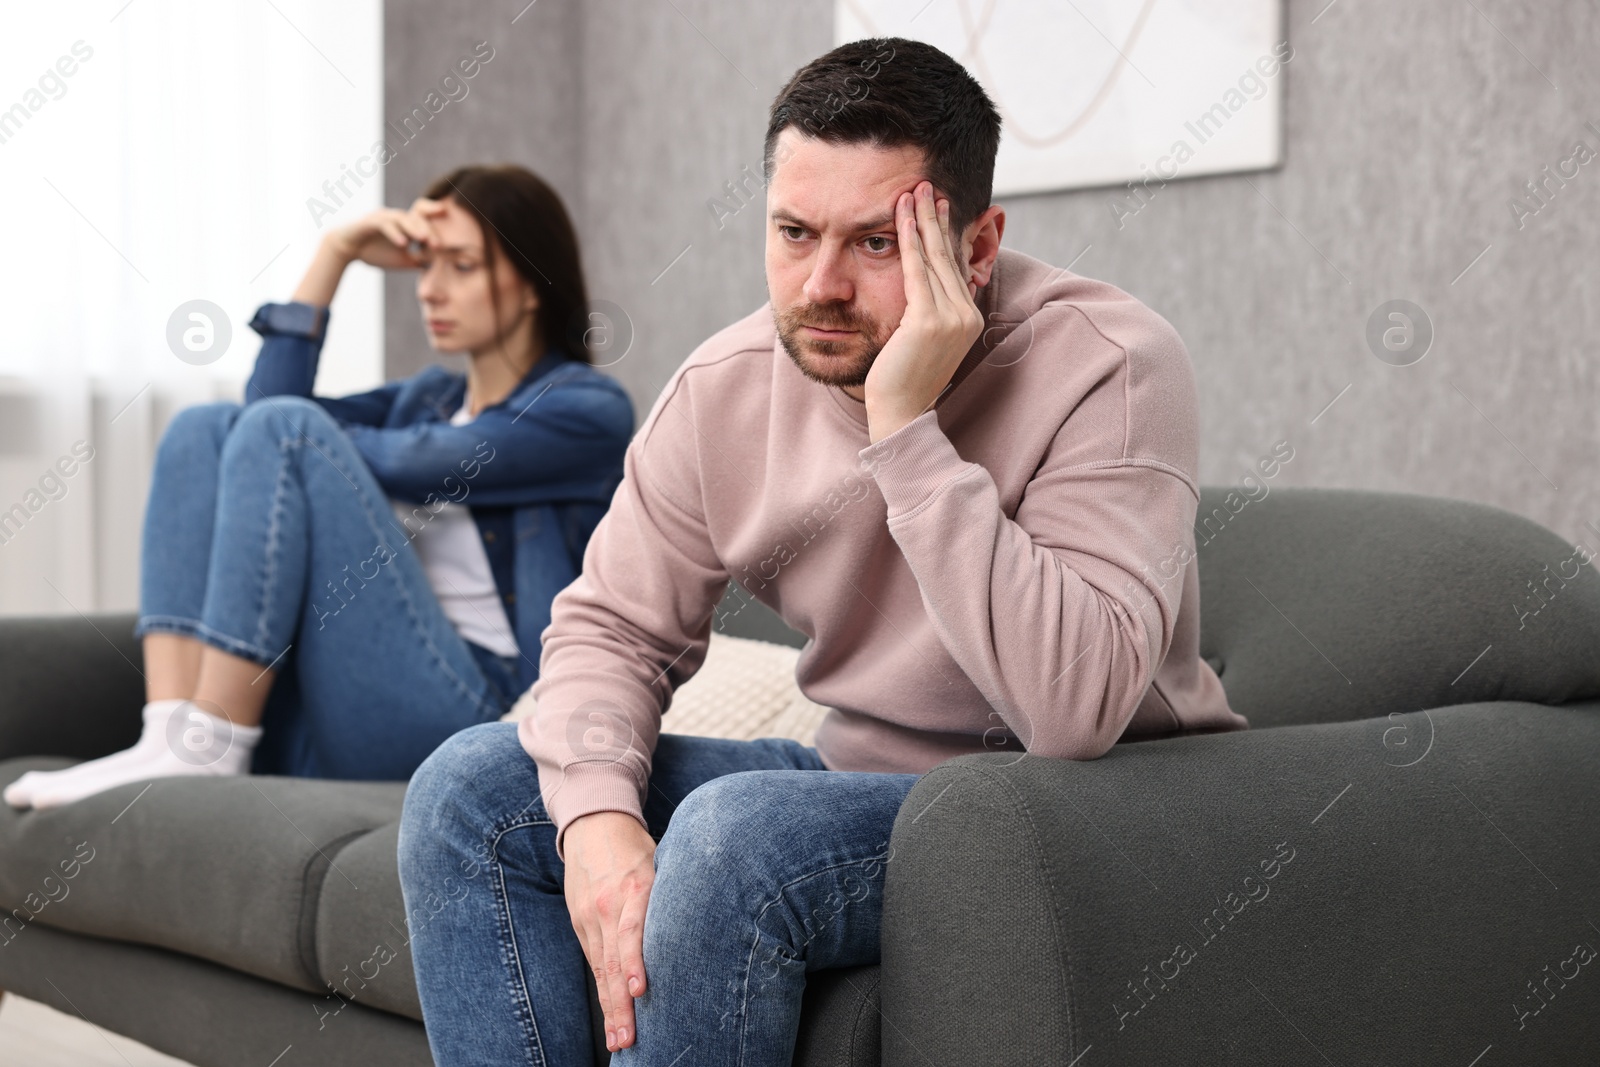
(744, 690)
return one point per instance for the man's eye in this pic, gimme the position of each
(464, 268)
(793, 233)
(888, 243)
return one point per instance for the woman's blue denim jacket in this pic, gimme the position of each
(537, 470)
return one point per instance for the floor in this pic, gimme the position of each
(32, 1035)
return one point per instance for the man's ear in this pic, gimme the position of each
(981, 241)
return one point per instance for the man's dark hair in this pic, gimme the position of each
(890, 91)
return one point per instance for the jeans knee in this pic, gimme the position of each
(445, 786)
(271, 419)
(200, 428)
(467, 787)
(714, 831)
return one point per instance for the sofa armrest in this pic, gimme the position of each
(1390, 890)
(70, 685)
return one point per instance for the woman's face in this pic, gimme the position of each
(454, 287)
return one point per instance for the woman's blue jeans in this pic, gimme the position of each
(267, 536)
(767, 866)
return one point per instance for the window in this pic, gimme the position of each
(154, 153)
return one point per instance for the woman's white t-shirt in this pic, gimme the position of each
(452, 554)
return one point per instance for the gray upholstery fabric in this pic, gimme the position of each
(79, 679)
(1038, 910)
(841, 1023)
(202, 1013)
(1322, 605)
(361, 928)
(228, 870)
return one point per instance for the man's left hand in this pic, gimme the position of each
(940, 323)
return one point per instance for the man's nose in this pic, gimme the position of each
(829, 282)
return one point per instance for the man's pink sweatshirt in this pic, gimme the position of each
(1013, 569)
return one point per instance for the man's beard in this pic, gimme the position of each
(842, 362)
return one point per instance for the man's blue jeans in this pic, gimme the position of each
(767, 866)
(267, 536)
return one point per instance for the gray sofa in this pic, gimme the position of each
(1398, 861)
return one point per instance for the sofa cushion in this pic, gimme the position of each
(227, 869)
(1329, 605)
(363, 942)
(202, 1013)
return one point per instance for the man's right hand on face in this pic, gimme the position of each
(610, 867)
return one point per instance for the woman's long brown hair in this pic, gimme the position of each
(522, 217)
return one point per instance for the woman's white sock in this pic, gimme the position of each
(20, 792)
(178, 738)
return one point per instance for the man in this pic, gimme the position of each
(967, 476)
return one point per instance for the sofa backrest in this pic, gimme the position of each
(1326, 605)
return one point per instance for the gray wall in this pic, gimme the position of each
(523, 107)
(1409, 128)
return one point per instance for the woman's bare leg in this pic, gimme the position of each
(232, 688)
(181, 668)
(171, 666)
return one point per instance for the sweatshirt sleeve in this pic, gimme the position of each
(629, 630)
(1051, 613)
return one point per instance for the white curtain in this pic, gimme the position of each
(154, 153)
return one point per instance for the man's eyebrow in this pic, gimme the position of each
(881, 223)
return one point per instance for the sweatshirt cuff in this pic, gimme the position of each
(588, 786)
(913, 464)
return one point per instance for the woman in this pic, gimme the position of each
(382, 564)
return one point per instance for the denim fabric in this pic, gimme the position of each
(266, 536)
(537, 470)
(767, 866)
